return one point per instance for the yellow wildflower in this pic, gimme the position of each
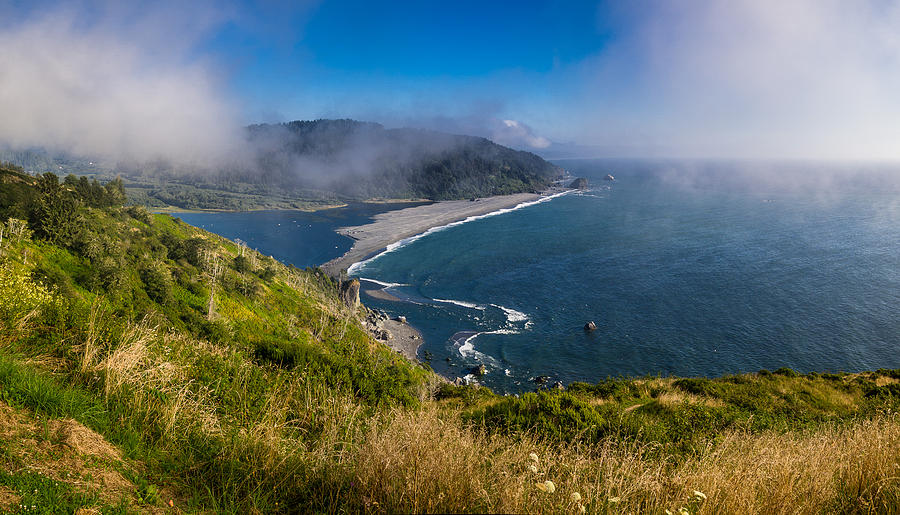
(575, 496)
(547, 486)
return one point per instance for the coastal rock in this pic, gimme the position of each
(350, 293)
(480, 370)
(609, 178)
(401, 319)
(541, 379)
(580, 183)
(558, 385)
(590, 326)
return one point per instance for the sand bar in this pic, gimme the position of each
(393, 226)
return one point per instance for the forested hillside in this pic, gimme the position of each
(364, 160)
(149, 366)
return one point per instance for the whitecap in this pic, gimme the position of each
(459, 303)
(382, 283)
(512, 315)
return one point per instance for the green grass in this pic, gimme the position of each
(685, 413)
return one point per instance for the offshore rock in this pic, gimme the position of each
(350, 293)
(580, 183)
(590, 326)
(541, 379)
(480, 370)
(609, 178)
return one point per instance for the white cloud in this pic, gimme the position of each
(746, 78)
(516, 134)
(125, 91)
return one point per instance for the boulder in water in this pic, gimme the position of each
(609, 178)
(580, 183)
(590, 326)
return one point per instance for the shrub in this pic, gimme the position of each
(157, 283)
(787, 372)
(558, 415)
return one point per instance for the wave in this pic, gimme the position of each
(406, 241)
(511, 314)
(382, 283)
(460, 303)
(467, 348)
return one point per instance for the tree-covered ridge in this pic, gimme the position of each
(364, 160)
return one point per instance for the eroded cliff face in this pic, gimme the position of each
(350, 293)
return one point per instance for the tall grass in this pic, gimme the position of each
(424, 462)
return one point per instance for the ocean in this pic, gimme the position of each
(686, 268)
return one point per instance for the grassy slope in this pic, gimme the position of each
(279, 401)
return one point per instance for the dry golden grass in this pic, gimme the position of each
(672, 398)
(421, 463)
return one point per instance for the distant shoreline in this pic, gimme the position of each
(377, 201)
(394, 226)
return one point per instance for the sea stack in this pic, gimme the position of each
(580, 183)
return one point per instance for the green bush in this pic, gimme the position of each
(157, 283)
(554, 414)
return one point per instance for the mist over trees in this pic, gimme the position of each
(362, 160)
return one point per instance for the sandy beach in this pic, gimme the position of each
(393, 226)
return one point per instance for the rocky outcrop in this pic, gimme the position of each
(590, 326)
(609, 178)
(350, 293)
(580, 183)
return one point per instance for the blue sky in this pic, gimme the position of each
(691, 78)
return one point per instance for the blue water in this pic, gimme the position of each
(687, 269)
(299, 238)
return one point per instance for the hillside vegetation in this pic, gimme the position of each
(149, 366)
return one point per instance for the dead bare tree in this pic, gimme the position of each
(213, 267)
